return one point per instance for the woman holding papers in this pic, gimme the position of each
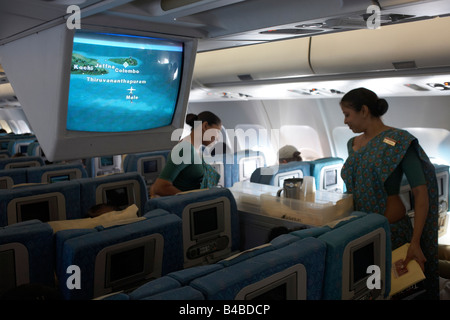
(373, 171)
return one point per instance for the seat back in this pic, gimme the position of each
(26, 255)
(21, 162)
(121, 189)
(11, 177)
(241, 165)
(121, 257)
(210, 223)
(100, 166)
(20, 145)
(275, 175)
(43, 202)
(293, 271)
(327, 173)
(148, 164)
(351, 248)
(56, 173)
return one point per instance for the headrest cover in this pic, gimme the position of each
(107, 219)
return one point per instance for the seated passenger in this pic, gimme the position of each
(288, 153)
(185, 169)
(99, 209)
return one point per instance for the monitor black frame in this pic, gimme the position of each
(153, 256)
(294, 277)
(56, 201)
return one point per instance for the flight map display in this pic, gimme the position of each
(121, 83)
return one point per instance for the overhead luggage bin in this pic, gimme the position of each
(262, 61)
(411, 45)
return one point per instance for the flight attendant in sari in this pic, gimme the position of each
(378, 159)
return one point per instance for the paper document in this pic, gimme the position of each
(402, 276)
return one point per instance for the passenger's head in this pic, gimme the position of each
(359, 106)
(288, 153)
(18, 155)
(211, 125)
(99, 209)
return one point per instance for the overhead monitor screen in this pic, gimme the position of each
(122, 83)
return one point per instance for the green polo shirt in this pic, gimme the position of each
(183, 167)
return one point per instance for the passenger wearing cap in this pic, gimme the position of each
(289, 153)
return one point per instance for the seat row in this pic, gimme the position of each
(90, 262)
(70, 199)
(318, 263)
(34, 171)
(186, 243)
(119, 249)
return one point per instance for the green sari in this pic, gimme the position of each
(364, 173)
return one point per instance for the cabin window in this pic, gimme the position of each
(256, 138)
(304, 138)
(23, 127)
(5, 125)
(341, 135)
(435, 142)
(14, 127)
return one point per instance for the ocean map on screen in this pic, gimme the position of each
(121, 83)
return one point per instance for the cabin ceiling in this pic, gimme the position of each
(218, 24)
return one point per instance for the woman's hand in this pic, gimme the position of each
(415, 253)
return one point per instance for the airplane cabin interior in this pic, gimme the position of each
(94, 96)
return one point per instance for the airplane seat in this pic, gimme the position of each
(293, 271)
(275, 175)
(100, 166)
(351, 247)
(164, 288)
(240, 165)
(178, 282)
(182, 293)
(210, 223)
(120, 190)
(34, 149)
(327, 173)
(162, 284)
(148, 164)
(56, 172)
(45, 202)
(20, 145)
(124, 257)
(4, 154)
(26, 255)
(11, 177)
(21, 162)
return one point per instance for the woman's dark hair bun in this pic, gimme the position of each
(382, 107)
(358, 97)
(205, 116)
(191, 118)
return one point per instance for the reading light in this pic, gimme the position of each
(438, 86)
